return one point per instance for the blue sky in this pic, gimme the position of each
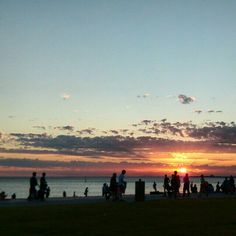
(105, 54)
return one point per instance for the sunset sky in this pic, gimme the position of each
(92, 87)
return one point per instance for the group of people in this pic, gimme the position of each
(172, 186)
(117, 188)
(228, 185)
(44, 189)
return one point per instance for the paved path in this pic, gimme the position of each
(99, 199)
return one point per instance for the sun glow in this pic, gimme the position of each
(183, 170)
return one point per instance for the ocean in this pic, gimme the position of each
(20, 185)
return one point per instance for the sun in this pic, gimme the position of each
(183, 170)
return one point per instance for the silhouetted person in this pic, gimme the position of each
(232, 185)
(74, 195)
(218, 187)
(113, 187)
(203, 185)
(154, 186)
(13, 196)
(166, 185)
(186, 185)
(43, 186)
(226, 186)
(175, 183)
(33, 184)
(121, 183)
(194, 190)
(105, 191)
(64, 194)
(48, 190)
(86, 192)
(191, 187)
(3, 195)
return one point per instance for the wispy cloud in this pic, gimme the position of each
(65, 128)
(39, 127)
(185, 99)
(198, 111)
(145, 95)
(65, 96)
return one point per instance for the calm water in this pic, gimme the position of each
(20, 185)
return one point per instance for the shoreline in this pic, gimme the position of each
(100, 199)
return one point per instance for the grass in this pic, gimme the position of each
(164, 217)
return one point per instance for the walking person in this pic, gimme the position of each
(43, 186)
(86, 192)
(154, 186)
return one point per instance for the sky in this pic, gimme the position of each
(92, 87)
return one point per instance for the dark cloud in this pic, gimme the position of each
(65, 128)
(39, 127)
(88, 131)
(114, 131)
(198, 111)
(185, 99)
(211, 111)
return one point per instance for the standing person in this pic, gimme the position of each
(43, 186)
(113, 187)
(154, 186)
(232, 186)
(175, 183)
(186, 185)
(166, 185)
(86, 192)
(33, 184)
(121, 183)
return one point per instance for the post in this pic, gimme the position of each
(139, 190)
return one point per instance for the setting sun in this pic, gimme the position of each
(183, 170)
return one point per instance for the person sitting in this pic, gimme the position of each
(218, 187)
(3, 195)
(105, 191)
(194, 190)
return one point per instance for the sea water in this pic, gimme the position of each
(20, 185)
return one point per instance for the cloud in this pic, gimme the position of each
(113, 131)
(145, 95)
(65, 128)
(39, 127)
(65, 96)
(185, 99)
(211, 111)
(89, 131)
(198, 111)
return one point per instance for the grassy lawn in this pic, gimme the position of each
(164, 217)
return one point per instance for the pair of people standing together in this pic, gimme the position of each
(117, 189)
(33, 193)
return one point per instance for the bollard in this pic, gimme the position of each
(139, 190)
